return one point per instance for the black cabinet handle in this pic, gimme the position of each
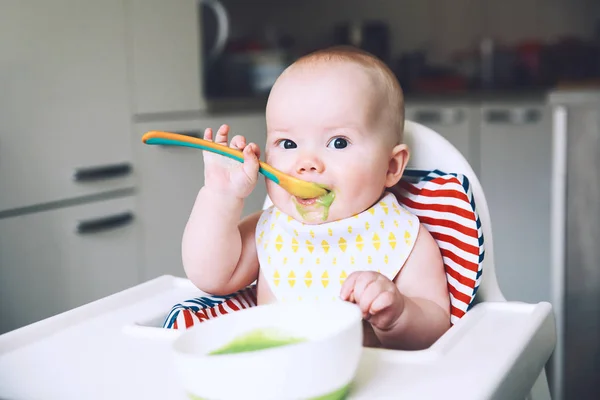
(499, 116)
(102, 172)
(428, 117)
(104, 223)
(513, 116)
(444, 116)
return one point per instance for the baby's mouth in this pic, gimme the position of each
(325, 199)
(306, 202)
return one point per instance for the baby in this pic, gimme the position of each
(334, 117)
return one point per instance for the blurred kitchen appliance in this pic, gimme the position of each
(371, 36)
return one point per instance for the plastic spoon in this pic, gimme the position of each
(295, 186)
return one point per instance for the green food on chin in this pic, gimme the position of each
(324, 201)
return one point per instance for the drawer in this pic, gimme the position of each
(55, 260)
(456, 122)
(64, 110)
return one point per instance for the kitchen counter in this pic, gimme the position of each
(250, 104)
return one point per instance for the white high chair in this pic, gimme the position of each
(430, 151)
(116, 347)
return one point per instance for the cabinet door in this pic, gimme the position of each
(64, 107)
(455, 122)
(170, 178)
(56, 260)
(165, 50)
(516, 160)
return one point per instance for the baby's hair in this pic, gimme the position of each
(395, 96)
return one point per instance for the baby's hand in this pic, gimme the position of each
(228, 176)
(378, 298)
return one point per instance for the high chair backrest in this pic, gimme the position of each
(431, 151)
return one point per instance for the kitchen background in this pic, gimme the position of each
(86, 210)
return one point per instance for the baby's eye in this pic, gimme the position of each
(287, 144)
(338, 143)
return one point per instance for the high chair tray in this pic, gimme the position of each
(114, 348)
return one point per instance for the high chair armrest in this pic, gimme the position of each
(509, 343)
(497, 350)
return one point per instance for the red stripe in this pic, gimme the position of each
(467, 248)
(248, 297)
(253, 295)
(457, 312)
(213, 312)
(471, 266)
(449, 224)
(440, 208)
(240, 303)
(202, 315)
(232, 305)
(187, 317)
(242, 300)
(460, 278)
(437, 193)
(175, 324)
(222, 309)
(459, 295)
(456, 194)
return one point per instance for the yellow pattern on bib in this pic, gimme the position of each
(312, 262)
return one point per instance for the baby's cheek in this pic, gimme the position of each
(359, 179)
(274, 191)
(279, 161)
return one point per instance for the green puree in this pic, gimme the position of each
(258, 339)
(324, 202)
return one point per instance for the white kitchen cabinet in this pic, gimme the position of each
(64, 108)
(516, 159)
(170, 178)
(165, 48)
(55, 260)
(455, 121)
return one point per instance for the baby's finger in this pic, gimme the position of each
(362, 283)
(380, 302)
(348, 287)
(208, 134)
(382, 312)
(222, 133)
(250, 165)
(370, 293)
(256, 150)
(238, 142)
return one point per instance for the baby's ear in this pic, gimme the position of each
(400, 156)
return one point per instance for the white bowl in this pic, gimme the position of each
(324, 364)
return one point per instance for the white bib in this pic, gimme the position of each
(302, 262)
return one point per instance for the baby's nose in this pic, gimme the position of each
(309, 164)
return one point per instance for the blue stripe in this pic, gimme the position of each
(480, 239)
(171, 321)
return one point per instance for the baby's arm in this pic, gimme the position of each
(411, 312)
(218, 250)
(423, 285)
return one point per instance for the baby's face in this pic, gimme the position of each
(322, 127)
